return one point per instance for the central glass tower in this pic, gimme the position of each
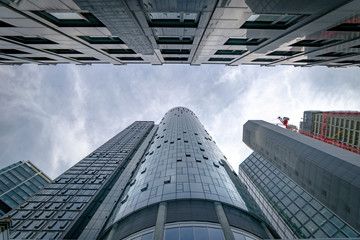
(183, 189)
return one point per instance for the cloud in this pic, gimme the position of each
(41, 120)
(55, 116)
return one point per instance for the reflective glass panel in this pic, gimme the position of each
(186, 233)
(172, 234)
(215, 234)
(148, 236)
(201, 233)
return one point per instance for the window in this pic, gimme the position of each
(265, 60)
(329, 228)
(350, 61)
(175, 51)
(125, 199)
(9, 201)
(22, 194)
(30, 39)
(230, 52)
(66, 15)
(220, 59)
(336, 54)
(194, 233)
(70, 19)
(174, 40)
(349, 26)
(175, 58)
(309, 210)
(271, 21)
(32, 186)
(147, 236)
(4, 24)
(245, 41)
(167, 179)
(26, 189)
(119, 51)
(314, 43)
(173, 19)
(40, 58)
(64, 51)
(284, 53)
(41, 180)
(85, 58)
(309, 61)
(102, 40)
(5, 59)
(13, 195)
(131, 59)
(12, 51)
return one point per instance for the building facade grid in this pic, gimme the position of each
(306, 216)
(186, 31)
(18, 182)
(62, 208)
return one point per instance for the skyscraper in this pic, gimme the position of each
(333, 126)
(307, 188)
(165, 181)
(65, 206)
(293, 212)
(18, 182)
(234, 32)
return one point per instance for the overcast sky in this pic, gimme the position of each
(56, 115)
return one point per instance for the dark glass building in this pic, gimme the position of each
(18, 182)
(305, 187)
(293, 212)
(166, 181)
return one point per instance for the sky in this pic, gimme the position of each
(56, 115)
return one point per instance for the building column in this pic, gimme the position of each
(223, 221)
(160, 222)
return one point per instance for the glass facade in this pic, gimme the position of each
(183, 162)
(328, 173)
(303, 214)
(193, 231)
(18, 182)
(63, 208)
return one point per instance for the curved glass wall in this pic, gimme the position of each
(183, 162)
(192, 231)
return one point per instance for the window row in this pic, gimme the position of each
(301, 211)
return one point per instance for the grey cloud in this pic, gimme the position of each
(54, 116)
